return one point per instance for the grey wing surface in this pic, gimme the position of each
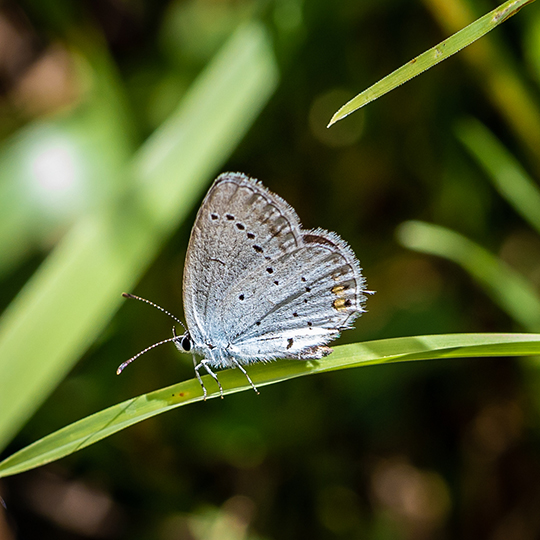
(295, 303)
(239, 224)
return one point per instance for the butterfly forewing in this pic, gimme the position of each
(239, 222)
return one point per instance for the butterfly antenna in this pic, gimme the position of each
(127, 362)
(128, 295)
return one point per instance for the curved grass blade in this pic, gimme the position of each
(104, 423)
(511, 291)
(432, 57)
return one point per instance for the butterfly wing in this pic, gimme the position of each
(259, 287)
(310, 295)
(238, 223)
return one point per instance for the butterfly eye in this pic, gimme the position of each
(186, 343)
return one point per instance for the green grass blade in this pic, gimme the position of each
(432, 57)
(511, 291)
(211, 121)
(73, 295)
(506, 173)
(104, 423)
(496, 71)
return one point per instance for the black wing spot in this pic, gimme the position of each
(230, 217)
(305, 300)
(290, 342)
(310, 324)
(258, 323)
(250, 235)
(241, 297)
(270, 270)
(308, 289)
(258, 249)
(276, 282)
(214, 217)
(303, 279)
(240, 226)
(295, 314)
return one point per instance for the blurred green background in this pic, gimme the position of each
(116, 115)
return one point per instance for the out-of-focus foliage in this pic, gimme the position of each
(447, 448)
(430, 58)
(110, 247)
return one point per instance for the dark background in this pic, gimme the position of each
(445, 449)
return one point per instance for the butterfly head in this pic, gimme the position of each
(183, 343)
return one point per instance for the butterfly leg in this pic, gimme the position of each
(239, 366)
(212, 374)
(204, 364)
(197, 367)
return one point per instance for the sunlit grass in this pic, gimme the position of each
(104, 423)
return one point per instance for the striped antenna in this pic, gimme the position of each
(127, 362)
(128, 295)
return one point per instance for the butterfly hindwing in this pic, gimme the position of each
(291, 306)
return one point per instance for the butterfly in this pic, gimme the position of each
(257, 286)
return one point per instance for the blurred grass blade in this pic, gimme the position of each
(219, 109)
(506, 173)
(104, 423)
(73, 295)
(31, 214)
(513, 293)
(432, 57)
